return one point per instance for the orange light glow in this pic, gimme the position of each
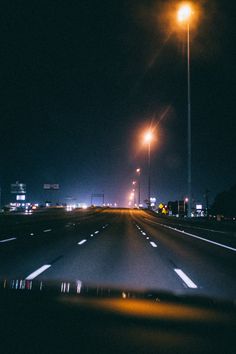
(148, 137)
(184, 13)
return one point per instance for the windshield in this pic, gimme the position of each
(117, 155)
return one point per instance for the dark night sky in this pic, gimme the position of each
(79, 81)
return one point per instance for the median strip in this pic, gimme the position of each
(186, 279)
(38, 271)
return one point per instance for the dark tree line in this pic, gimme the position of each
(225, 203)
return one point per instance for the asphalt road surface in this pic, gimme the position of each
(129, 249)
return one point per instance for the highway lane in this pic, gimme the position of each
(37, 240)
(122, 248)
(210, 262)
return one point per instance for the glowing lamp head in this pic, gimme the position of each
(148, 137)
(184, 13)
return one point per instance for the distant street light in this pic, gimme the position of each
(148, 138)
(134, 199)
(185, 202)
(138, 171)
(184, 15)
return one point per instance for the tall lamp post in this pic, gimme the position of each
(138, 171)
(184, 15)
(148, 137)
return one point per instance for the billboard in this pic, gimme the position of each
(18, 188)
(50, 186)
(20, 197)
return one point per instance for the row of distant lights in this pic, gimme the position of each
(65, 287)
(28, 207)
(110, 205)
(24, 284)
(71, 207)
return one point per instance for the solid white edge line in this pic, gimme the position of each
(81, 242)
(153, 244)
(186, 279)
(195, 236)
(38, 271)
(211, 230)
(8, 239)
(202, 228)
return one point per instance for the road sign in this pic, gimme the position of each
(18, 188)
(20, 197)
(50, 186)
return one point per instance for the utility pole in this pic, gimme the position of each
(207, 200)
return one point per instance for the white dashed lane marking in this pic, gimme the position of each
(153, 244)
(81, 242)
(8, 239)
(186, 279)
(38, 271)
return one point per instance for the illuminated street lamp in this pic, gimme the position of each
(138, 171)
(184, 15)
(148, 138)
(134, 184)
(185, 202)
